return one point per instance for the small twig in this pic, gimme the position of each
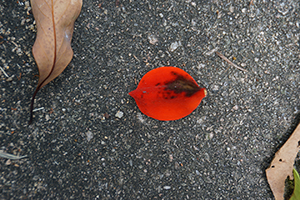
(229, 62)
(37, 109)
(1, 41)
(10, 156)
(208, 53)
(5, 74)
(251, 3)
(136, 58)
(14, 43)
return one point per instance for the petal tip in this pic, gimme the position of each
(205, 92)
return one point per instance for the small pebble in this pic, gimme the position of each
(119, 114)
(152, 39)
(167, 187)
(89, 135)
(215, 88)
(47, 117)
(9, 79)
(174, 46)
(8, 162)
(231, 9)
(236, 107)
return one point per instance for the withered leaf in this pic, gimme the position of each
(52, 48)
(282, 165)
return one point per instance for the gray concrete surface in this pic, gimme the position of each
(78, 149)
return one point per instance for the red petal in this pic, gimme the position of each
(168, 93)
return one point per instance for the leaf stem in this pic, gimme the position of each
(32, 102)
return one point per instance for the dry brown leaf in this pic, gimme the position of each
(282, 165)
(52, 48)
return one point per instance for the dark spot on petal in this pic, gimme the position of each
(182, 84)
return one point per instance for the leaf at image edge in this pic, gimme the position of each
(296, 193)
(282, 164)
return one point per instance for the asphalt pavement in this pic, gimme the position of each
(88, 139)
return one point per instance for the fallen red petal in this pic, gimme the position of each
(168, 93)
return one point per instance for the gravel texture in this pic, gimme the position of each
(89, 140)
